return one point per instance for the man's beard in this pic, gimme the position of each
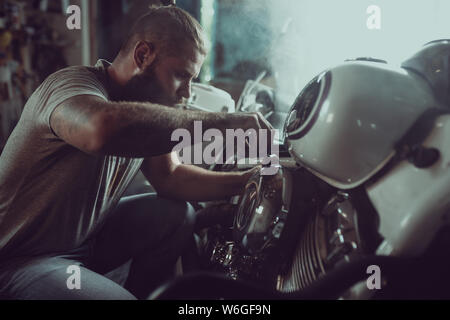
(146, 87)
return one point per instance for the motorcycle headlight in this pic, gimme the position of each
(301, 115)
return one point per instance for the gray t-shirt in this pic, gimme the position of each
(52, 195)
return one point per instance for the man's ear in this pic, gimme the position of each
(144, 54)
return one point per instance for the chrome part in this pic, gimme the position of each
(262, 211)
(330, 236)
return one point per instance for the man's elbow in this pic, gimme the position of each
(99, 141)
(167, 189)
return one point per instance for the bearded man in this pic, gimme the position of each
(82, 137)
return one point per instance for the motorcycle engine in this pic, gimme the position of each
(276, 242)
(330, 236)
(258, 224)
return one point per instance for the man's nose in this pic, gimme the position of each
(186, 90)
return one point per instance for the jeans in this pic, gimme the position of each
(150, 230)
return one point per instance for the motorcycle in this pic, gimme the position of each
(360, 206)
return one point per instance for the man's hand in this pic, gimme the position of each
(172, 179)
(257, 121)
(249, 173)
(222, 213)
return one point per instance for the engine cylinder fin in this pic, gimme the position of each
(304, 263)
(306, 266)
(317, 243)
(294, 278)
(307, 257)
(301, 266)
(311, 252)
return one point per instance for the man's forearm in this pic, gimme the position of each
(135, 130)
(191, 183)
(143, 130)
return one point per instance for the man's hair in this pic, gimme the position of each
(169, 28)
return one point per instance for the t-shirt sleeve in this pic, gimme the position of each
(62, 85)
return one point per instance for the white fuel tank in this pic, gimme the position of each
(344, 124)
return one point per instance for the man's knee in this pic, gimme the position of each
(182, 215)
(175, 210)
(151, 212)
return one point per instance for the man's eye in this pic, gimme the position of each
(182, 76)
